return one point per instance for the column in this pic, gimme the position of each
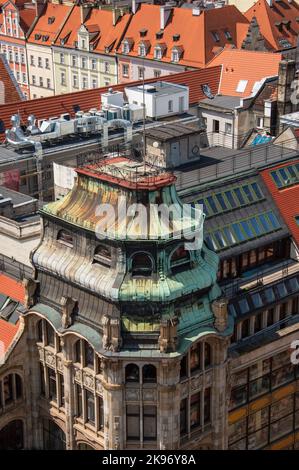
(168, 436)
(114, 419)
(69, 399)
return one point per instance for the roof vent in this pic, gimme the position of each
(143, 33)
(51, 19)
(176, 37)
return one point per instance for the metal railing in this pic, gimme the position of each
(249, 158)
(14, 268)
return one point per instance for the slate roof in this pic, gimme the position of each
(224, 229)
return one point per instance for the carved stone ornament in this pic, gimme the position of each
(30, 287)
(68, 305)
(50, 358)
(88, 381)
(220, 311)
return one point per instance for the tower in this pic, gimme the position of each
(125, 316)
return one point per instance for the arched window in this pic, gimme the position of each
(77, 351)
(19, 387)
(53, 436)
(89, 355)
(142, 265)
(180, 260)
(50, 335)
(83, 446)
(65, 237)
(11, 436)
(208, 355)
(149, 374)
(102, 255)
(39, 327)
(132, 373)
(11, 388)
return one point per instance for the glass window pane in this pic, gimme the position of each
(292, 172)
(273, 219)
(264, 222)
(239, 196)
(247, 229)
(256, 190)
(269, 294)
(292, 284)
(276, 179)
(248, 194)
(257, 300)
(221, 201)
(229, 236)
(243, 304)
(256, 226)
(283, 174)
(212, 204)
(230, 199)
(220, 239)
(282, 291)
(239, 233)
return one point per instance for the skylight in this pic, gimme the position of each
(241, 86)
(286, 176)
(231, 199)
(242, 231)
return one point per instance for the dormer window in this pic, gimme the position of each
(65, 238)
(51, 19)
(142, 50)
(159, 51)
(159, 35)
(175, 54)
(142, 265)
(180, 260)
(228, 35)
(176, 37)
(143, 33)
(126, 46)
(102, 255)
(215, 36)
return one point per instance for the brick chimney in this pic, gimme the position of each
(39, 6)
(165, 12)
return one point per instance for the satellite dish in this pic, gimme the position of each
(156, 144)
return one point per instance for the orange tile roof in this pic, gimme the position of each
(195, 32)
(238, 65)
(44, 108)
(96, 21)
(27, 16)
(7, 333)
(280, 11)
(12, 288)
(286, 199)
(48, 31)
(11, 89)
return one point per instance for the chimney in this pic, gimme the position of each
(165, 12)
(84, 12)
(116, 14)
(286, 77)
(39, 6)
(135, 4)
